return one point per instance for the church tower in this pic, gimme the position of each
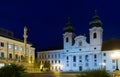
(68, 36)
(96, 32)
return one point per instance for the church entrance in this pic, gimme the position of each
(80, 68)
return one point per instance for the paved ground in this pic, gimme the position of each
(53, 74)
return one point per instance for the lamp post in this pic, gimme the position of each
(116, 56)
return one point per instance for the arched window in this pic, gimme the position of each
(95, 56)
(94, 35)
(80, 43)
(74, 58)
(67, 39)
(67, 58)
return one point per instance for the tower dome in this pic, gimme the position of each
(96, 22)
(68, 27)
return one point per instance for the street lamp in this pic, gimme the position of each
(116, 56)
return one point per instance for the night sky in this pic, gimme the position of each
(46, 19)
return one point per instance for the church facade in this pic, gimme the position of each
(79, 55)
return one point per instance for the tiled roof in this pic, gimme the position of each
(113, 44)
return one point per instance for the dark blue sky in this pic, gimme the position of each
(45, 19)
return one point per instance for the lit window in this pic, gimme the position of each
(10, 46)
(21, 48)
(30, 51)
(16, 47)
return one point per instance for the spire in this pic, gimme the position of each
(96, 22)
(25, 29)
(68, 27)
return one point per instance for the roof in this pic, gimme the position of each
(113, 44)
(53, 48)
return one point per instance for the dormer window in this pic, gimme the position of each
(94, 35)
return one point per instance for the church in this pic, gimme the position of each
(79, 55)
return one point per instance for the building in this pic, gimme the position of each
(14, 50)
(79, 55)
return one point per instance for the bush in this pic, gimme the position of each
(94, 73)
(13, 71)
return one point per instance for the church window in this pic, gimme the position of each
(94, 35)
(80, 49)
(95, 48)
(59, 61)
(67, 58)
(104, 54)
(80, 43)
(95, 56)
(80, 57)
(74, 58)
(86, 57)
(80, 60)
(67, 39)
(104, 61)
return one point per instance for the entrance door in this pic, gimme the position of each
(80, 68)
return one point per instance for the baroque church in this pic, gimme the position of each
(79, 55)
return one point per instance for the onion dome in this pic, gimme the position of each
(96, 22)
(68, 27)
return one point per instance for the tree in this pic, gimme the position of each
(94, 73)
(13, 70)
